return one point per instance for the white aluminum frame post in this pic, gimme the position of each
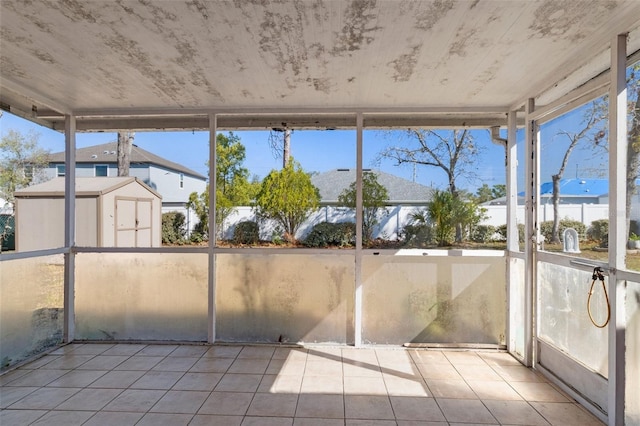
(532, 195)
(357, 295)
(617, 226)
(213, 128)
(69, 227)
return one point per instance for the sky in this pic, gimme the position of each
(316, 151)
(322, 150)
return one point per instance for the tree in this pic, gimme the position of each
(22, 162)
(440, 213)
(125, 143)
(281, 145)
(230, 154)
(454, 152)
(199, 203)
(598, 134)
(374, 199)
(486, 193)
(592, 116)
(446, 213)
(232, 185)
(288, 197)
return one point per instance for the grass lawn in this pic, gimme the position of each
(590, 251)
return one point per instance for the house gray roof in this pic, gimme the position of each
(401, 191)
(106, 154)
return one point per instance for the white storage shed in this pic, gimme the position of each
(110, 212)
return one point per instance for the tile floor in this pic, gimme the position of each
(131, 384)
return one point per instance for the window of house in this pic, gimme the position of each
(60, 170)
(181, 180)
(101, 170)
(28, 172)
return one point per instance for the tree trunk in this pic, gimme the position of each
(286, 150)
(125, 143)
(555, 231)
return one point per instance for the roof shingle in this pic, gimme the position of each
(107, 153)
(401, 191)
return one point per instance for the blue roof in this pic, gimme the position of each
(578, 187)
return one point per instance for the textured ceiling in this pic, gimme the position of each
(308, 62)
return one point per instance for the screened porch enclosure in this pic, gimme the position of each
(514, 66)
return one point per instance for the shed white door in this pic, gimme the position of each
(133, 222)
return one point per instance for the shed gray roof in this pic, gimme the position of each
(85, 186)
(401, 191)
(106, 154)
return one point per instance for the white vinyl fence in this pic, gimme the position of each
(396, 217)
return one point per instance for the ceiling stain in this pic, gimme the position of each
(159, 15)
(317, 50)
(132, 54)
(170, 84)
(198, 79)
(322, 85)
(435, 12)
(44, 56)
(566, 19)
(282, 37)
(405, 64)
(186, 51)
(21, 9)
(9, 37)
(490, 73)
(74, 10)
(458, 47)
(320, 12)
(200, 7)
(358, 31)
(8, 67)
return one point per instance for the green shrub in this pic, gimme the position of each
(418, 235)
(604, 242)
(173, 228)
(546, 228)
(327, 234)
(502, 232)
(246, 232)
(483, 233)
(197, 237)
(598, 230)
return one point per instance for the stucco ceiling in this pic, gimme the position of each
(306, 63)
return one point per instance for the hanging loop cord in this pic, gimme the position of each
(598, 275)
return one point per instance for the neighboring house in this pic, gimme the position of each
(173, 181)
(576, 191)
(572, 191)
(401, 191)
(584, 200)
(405, 198)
